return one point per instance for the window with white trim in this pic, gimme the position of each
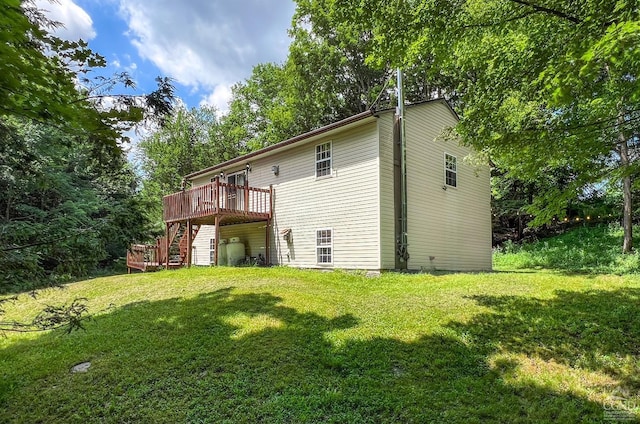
(450, 170)
(324, 246)
(323, 160)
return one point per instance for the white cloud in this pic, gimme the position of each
(77, 24)
(209, 44)
(219, 98)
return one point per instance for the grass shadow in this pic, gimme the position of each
(227, 357)
(597, 330)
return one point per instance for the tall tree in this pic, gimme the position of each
(188, 141)
(49, 80)
(67, 195)
(65, 209)
(261, 110)
(325, 78)
(541, 85)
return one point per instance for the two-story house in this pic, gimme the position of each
(333, 198)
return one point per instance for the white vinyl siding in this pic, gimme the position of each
(387, 218)
(448, 229)
(251, 234)
(201, 251)
(348, 202)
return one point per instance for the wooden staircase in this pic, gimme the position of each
(150, 257)
(183, 245)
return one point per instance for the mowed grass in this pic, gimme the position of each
(284, 345)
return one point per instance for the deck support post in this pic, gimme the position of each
(267, 245)
(167, 244)
(189, 242)
(216, 195)
(268, 230)
(216, 239)
(270, 201)
(246, 194)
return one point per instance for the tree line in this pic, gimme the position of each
(68, 196)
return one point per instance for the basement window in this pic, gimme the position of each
(324, 246)
(323, 160)
(450, 170)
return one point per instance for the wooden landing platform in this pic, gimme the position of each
(151, 266)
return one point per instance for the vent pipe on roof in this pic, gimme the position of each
(402, 242)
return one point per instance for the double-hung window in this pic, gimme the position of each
(450, 170)
(324, 246)
(323, 160)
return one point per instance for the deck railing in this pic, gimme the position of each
(216, 198)
(141, 256)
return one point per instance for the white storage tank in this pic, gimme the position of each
(222, 252)
(235, 251)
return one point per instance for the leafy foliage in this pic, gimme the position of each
(325, 78)
(64, 209)
(542, 87)
(586, 249)
(67, 195)
(52, 81)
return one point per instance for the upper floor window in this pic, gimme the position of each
(450, 170)
(323, 159)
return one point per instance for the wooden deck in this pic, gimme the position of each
(144, 257)
(230, 203)
(151, 266)
(184, 212)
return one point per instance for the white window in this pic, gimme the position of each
(450, 170)
(323, 160)
(324, 246)
(212, 251)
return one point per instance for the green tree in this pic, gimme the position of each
(330, 57)
(49, 80)
(540, 85)
(261, 109)
(188, 141)
(67, 194)
(65, 209)
(325, 78)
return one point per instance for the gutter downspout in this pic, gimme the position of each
(402, 242)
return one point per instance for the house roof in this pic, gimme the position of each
(347, 122)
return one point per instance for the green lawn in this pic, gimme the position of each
(283, 345)
(587, 250)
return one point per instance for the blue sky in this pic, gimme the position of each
(206, 46)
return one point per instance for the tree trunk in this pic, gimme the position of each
(627, 210)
